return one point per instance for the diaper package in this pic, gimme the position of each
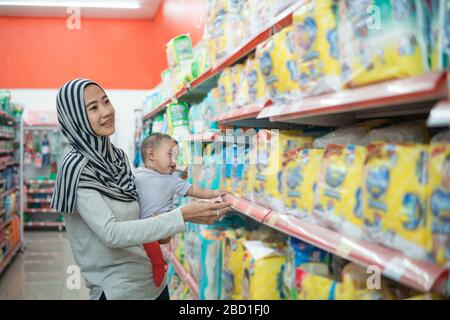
(225, 89)
(338, 200)
(273, 148)
(211, 265)
(233, 264)
(315, 29)
(380, 40)
(439, 201)
(279, 66)
(178, 120)
(262, 271)
(300, 173)
(299, 253)
(440, 34)
(179, 49)
(315, 287)
(237, 79)
(257, 92)
(394, 198)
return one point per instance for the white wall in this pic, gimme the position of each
(124, 102)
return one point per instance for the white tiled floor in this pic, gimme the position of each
(40, 272)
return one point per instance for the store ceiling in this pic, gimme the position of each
(147, 10)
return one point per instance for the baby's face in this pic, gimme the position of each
(165, 162)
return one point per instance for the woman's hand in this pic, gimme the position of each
(203, 212)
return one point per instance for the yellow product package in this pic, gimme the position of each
(317, 46)
(394, 198)
(338, 196)
(382, 43)
(272, 148)
(257, 92)
(439, 202)
(314, 287)
(233, 264)
(225, 89)
(237, 78)
(263, 267)
(279, 66)
(300, 173)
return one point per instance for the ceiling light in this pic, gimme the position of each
(81, 4)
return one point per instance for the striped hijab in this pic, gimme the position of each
(94, 162)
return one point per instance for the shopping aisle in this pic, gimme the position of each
(40, 271)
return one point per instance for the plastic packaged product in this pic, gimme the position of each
(178, 120)
(211, 265)
(279, 66)
(237, 77)
(242, 97)
(348, 135)
(256, 84)
(299, 253)
(315, 287)
(225, 89)
(381, 43)
(440, 34)
(157, 124)
(262, 271)
(300, 173)
(317, 47)
(439, 202)
(272, 148)
(248, 178)
(394, 198)
(179, 49)
(414, 132)
(443, 136)
(233, 264)
(338, 200)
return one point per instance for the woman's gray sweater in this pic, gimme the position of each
(106, 239)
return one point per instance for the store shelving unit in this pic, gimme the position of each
(399, 97)
(7, 161)
(184, 275)
(38, 192)
(417, 274)
(281, 20)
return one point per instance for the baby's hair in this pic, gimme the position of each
(153, 141)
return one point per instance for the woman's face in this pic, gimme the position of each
(99, 110)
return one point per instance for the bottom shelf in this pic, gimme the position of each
(184, 275)
(44, 224)
(9, 258)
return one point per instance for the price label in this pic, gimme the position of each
(395, 268)
(343, 249)
(272, 219)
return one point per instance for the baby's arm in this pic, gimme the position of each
(204, 193)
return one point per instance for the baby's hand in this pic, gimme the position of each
(220, 193)
(165, 241)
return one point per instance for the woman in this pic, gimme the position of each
(96, 190)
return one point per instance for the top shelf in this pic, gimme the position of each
(281, 20)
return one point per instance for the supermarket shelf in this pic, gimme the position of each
(7, 150)
(420, 275)
(440, 115)
(185, 276)
(13, 163)
(246, 112)
(40, 210)
(44, 224)
(40, 191)
(7, 137)
(4, 224)
(8, 192)
(282, 19)
(40, 182)
(9, 258)
(204, 137)
(30, 200)
(5, 116)
(409, 96)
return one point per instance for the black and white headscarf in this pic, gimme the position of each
(94, 162)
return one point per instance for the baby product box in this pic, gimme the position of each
(395, 195)
(380, 40)
(338, 200)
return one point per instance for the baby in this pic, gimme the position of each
(157, 186)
